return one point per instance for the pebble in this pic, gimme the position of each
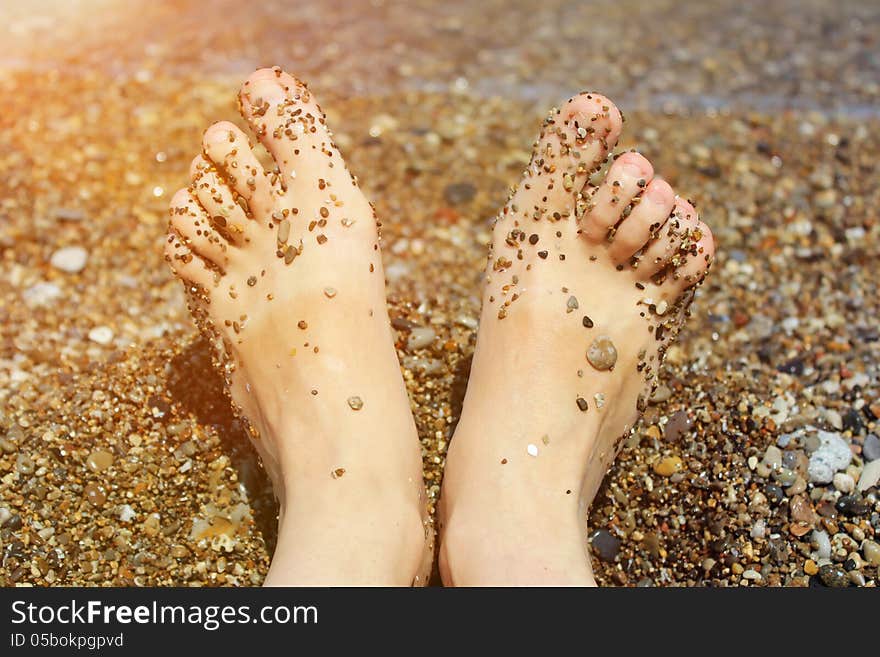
(604, 544)
(94, 494)
(356, 403)
(822, 543)
(420, 337)
(24, 464)
(773, 457)
(101, 335)
(801, 510)
(844, 483)
(871, 448)
(870, 550)
(126, 513)
(853, 505)
(833, 454)
(5, 514)
(677, 426)
(810, 567)
(752, 575)
(99, 460)
(834, 576)
(457, 193)
(870, 476)
(758, 529)
(71, 259)
(661, 394)
(602, 354)
(41, 294)
(668, 466)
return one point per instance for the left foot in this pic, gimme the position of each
(284, 273)
(585, 288)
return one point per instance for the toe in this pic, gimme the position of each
(186, 265)
(609, 202)
(288, 121)
(695, 263)
(226, 214)
(228, 148)
(574, 141)
(190, 222)
(672, 243)
(644, 222)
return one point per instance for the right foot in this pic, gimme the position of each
(284, 271)
(573, 270)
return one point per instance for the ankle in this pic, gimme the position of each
(513, 543)
(377, 540)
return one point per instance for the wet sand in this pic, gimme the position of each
(120, 461)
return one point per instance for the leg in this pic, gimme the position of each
(284, 274)
(585, 287)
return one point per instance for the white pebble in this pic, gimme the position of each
(532, 450)
(40, 294)
(126, 513)
(823, 544)
(832, 455)
(101, 334)
(420, 337)
(844, 483)
(751, 574)
(758, 529)
(870, 475)
(71, 259)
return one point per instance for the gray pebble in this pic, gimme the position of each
(604, 544)
(871, 448)
(459, 193)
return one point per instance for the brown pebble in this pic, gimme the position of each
(582, 403)
(356, 403)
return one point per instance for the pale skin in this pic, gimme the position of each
(283, 267)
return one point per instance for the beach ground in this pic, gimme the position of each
(756, 463)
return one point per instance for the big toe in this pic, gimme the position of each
(574, 141)
(288, 121)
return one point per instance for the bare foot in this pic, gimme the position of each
(585, 288)
(285, 274)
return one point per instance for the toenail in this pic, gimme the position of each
(633, 169)
(267, 90)
(657, 194)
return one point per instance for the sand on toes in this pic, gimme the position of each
(284, 274)
(586, 285)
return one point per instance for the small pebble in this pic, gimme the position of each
(844, 483)
(604, 544)
(99, 460)
(71, 259)
(602, 354)
(420, 337)
(871, 552)
(870, 476)
(356, 403)
(677, 427)
(457, 193)
(101, 335)
(668, 466)
(871, 448)
(834, 576)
